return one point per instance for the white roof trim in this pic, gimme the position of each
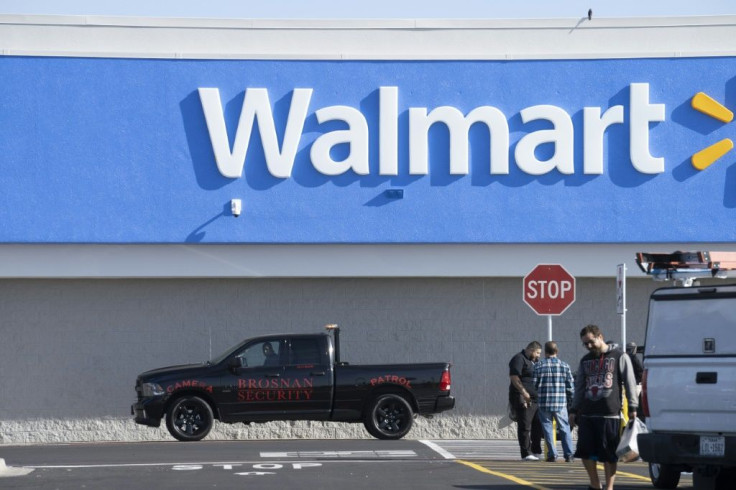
(389, 39)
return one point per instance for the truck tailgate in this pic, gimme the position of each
(690, 359)
(693, 394)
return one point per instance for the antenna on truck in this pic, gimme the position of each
(685, 267)
(335, 329)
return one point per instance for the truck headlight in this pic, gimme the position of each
(151, 389)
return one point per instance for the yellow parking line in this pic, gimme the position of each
(501, 475)
(550, 478)
(624, 473)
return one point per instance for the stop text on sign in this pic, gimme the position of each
(549, 289)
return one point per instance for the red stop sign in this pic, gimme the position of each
(549, 289)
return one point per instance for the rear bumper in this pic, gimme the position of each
(683, 449)
(147, 412)
(444, 403)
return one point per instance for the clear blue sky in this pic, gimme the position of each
(490, 9)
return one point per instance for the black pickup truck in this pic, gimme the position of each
(290, 377)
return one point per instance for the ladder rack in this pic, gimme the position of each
(687, 266)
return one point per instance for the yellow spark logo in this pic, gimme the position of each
(708, 106)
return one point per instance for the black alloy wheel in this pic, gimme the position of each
(389, 417)
(189, 419)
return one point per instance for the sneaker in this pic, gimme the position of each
(531, 457)
(569, 459)
(538, 455)
(551, 459)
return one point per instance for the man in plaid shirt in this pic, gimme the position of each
(555, 386)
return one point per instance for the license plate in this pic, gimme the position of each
(712, 446)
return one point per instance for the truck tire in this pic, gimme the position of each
(713, 478)
(664, 475)
(189, 418)
(725, 479)
(389, 416)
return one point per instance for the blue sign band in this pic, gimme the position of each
(119, 151)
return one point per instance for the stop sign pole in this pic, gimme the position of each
(549, 290)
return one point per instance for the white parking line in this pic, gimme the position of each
(435, 447)
(497, 449)
(211, 463)
(139, 465)
(13, 470)
(341, 454)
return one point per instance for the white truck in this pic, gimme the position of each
(689, 381)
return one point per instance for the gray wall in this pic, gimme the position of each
(71, 349)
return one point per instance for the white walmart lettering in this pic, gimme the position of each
(280, 159)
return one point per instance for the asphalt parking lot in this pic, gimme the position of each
(304, 464)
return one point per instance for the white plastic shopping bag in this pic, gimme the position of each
(628, 449)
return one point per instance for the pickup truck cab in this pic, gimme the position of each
(290, 377)
(689, 386)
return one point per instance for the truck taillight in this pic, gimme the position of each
(445, 381)
(644, 397)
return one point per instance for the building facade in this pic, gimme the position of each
(171, 186)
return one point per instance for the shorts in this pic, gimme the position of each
(598, 438)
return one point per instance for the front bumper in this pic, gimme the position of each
(148, 412)
(682, 449)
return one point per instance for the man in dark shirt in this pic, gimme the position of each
(638, 372)
(523, 400)
(602, 375)
(635, 362)
(271, 358)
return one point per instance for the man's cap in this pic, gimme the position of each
(631, 345)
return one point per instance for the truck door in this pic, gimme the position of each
(251, 391)
(308, 381)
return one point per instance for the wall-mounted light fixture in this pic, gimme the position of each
(236, 207)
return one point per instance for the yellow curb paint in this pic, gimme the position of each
(706, 157)
(707, 105)
(501, 475)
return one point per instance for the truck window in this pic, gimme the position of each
(264, 353)
(681, 327)
(306, 351)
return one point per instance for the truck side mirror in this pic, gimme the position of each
(237, 362)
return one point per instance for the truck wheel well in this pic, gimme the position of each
(394, 390)
(199, 394)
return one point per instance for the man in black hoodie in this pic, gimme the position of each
(597, 404)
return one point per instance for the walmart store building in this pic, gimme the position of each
(396, 177)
